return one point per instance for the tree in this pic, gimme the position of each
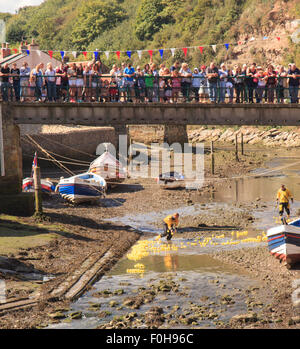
(93, 18)
(151, 16)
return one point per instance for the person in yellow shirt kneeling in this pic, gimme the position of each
(170, 225)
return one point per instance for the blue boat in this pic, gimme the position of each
(86, 187)
(284, 241)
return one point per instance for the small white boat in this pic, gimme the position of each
(86, 187)
(108, 167)
(28, 186)
(171, 180)
(284, 241)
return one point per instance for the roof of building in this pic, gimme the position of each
(12, 58)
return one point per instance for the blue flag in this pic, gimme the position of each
(161, 53)
(62, 53)
(227, 46)
(129, 54)
(28, 52)
(96, 53)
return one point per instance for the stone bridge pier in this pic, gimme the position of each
(12, 200)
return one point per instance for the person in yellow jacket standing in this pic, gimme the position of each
(170, 225)
(283, 196)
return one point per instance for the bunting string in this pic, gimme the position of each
(150, 52)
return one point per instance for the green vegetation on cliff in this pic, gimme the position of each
(111, 25)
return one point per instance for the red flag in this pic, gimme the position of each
(278, 38)
(118, 54)
(84, 53)
(201, 49)
(240, 43)
(15, 50)
(185, 51)
(150, 53)
(50, 53)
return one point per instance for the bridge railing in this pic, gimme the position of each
(147, 89)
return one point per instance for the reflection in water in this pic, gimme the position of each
(249, 188)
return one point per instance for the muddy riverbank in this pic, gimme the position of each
(78, 233)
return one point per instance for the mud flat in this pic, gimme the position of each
(76, 237)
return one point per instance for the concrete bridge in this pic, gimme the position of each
(174, 117)
(118, 115)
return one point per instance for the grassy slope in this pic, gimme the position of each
(195, 22)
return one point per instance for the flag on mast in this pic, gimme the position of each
(34, 164)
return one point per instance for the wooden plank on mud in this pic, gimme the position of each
(88, 277)
(17, 304)
(77, 275)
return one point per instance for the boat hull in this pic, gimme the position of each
(84, 189)
(284, 242)
(171, 184)
(28, 186)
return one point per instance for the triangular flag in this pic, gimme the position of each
(227, 46)
(240, 43)
(28, 52)
(107, 54)
(150, 53)
(129, 54)
(214, 47)
(173, 51)
(84, 53)
(201, 49)
(118, 54)
(278, 38)
(62, 53)
(96, 53)
(74, 53)
(50, 52)
(265, 38)
(139, 52)
(15, 50)
(161, 53)
(185, 51)
(252, 39)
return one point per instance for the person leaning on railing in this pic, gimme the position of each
(72, 75)
(37, 81)
(4, 73)
(62, 82)
(271, 82)
(24, 81)
(238, 84)
(50, 79)
(139, 85)
(212, 74)
(15, 76)
(282, 84)
(294, 79)
(203, 89)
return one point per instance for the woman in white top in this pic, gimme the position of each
(222, 83)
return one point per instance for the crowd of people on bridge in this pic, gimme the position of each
(78, 82)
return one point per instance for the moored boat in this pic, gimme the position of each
(171, 180)
(284, 241)
(86, 187)
(108, 167)
(47, 186)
